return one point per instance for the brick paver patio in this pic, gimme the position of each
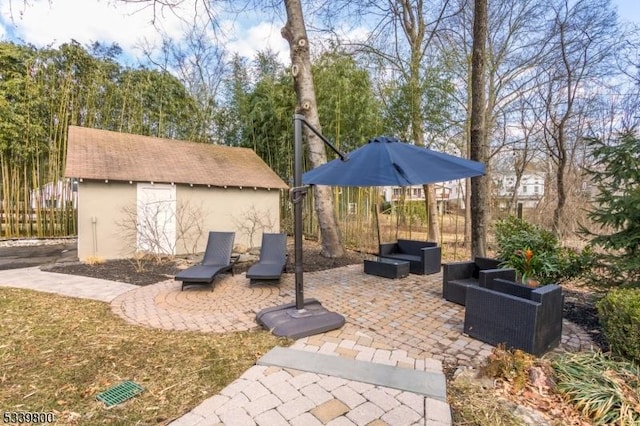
(382, 315)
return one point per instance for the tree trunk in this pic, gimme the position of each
(432, 212)
(558, 212)
(479, 187)
(417, 124)
(295, 33)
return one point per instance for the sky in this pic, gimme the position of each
(53, 22)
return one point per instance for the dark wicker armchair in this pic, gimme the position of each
(424, 257)
(457, 277)
(518, 316)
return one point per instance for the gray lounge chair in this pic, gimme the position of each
(217, 259)
(273, 258)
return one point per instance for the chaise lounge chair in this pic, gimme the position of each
(217, 259)
(273, 258)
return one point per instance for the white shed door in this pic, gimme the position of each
(156, 218)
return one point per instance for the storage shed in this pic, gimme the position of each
(140, 194)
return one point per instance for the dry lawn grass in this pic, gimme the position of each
(58, 353)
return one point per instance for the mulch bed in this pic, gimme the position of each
(121, 270)
(579, 308)
(150, 271)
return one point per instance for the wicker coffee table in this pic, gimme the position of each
(388, 268)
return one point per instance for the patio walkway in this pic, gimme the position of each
(400, 323)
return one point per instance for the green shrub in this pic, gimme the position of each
(604, 389)
(417, 210)
(619, 313)
(536, 253)
(615, 173)
(514, 234)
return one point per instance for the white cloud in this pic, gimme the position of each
(44, 23)
(51, 23)
(262, 36)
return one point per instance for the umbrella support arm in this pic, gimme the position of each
(297, 194)
(302, 118)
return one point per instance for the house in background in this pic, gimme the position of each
(56, 195)
(144, 194)
(449, 194)
(529, 191)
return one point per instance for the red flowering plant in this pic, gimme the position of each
(531, 266)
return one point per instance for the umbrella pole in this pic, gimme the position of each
(302, 318)
(297, 197)
(376, 213)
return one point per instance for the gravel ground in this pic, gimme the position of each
(37, 242)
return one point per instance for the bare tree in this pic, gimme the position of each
(580, 48)
(190, 220)
(295, 33)
(149, 229)
(252, 220)
(524, 149)
(412, 27)
(511, 51)
(200, 63)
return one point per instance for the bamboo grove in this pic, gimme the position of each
(46, 90)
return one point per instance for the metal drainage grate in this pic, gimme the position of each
(119, 393)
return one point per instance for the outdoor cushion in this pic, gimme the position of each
(217, 259)
(273, 258)
(403, 256)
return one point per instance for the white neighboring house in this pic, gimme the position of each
(446, 192)
(55, 194)
(529, 192)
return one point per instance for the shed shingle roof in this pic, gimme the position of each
(102, 154)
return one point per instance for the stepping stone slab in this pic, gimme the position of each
(430, 384)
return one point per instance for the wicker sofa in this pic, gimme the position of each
(516, 315)
(457, 277)
(424, 257)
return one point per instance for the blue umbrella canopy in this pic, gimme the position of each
(386, 161)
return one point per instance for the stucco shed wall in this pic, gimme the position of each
(101, 208)
(231, 209)
(200, 209)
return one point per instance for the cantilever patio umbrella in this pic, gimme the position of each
(386, 161)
